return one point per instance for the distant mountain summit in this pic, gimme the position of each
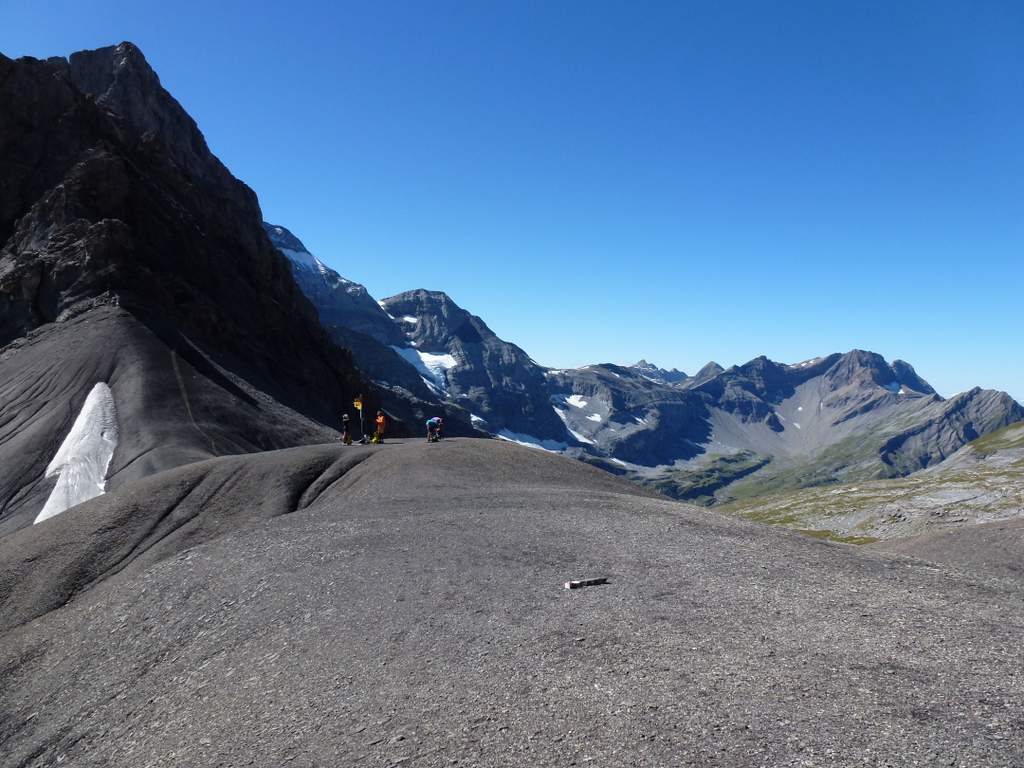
(765, 426)
(658, 374)
(503, 387)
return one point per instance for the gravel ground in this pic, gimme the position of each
(407, 608)
(993, 549)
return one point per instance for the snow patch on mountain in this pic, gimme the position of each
(561, 413)
(551, 446)
(806, 363)
(576, 401)
(433, 368)
(82, 460)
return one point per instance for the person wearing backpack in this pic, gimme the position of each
(378, 436)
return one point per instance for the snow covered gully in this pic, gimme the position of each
(82, 460)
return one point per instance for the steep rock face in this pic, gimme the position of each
(110, 197)
(496, 380)
(121, 82)
(957, 421)
(338, 301)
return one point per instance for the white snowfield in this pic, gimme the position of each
(561, 413)
(576, 401)
(432, 368)
(551, 446)
(805, 363)
(83, 458)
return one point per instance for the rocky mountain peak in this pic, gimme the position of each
(121, 81)
(657, 373)
(433, 321)
(763, 377)
(860, 367)
(708, 372)
(282, 237)
(428, 301)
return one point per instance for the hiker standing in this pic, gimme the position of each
(346, 435)
(381, 423)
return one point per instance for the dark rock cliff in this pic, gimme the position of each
(109, 197)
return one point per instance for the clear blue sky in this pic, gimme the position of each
(608, 181)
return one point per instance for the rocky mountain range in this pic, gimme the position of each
(764, 426)
(756, 428)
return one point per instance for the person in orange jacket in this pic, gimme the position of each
(381, 423)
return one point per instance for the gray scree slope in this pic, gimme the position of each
(403, 604)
